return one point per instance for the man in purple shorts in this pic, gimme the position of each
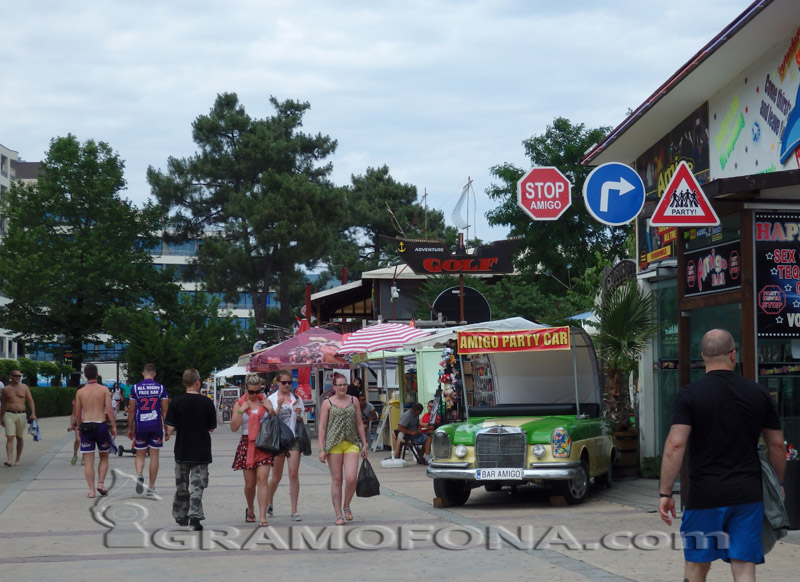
(720, 418)
(146, 411)
(93, 407)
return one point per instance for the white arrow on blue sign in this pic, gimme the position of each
(613, 193)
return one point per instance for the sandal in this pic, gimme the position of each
(74, 460)
(101, 490)
(339, 520)
(263, 524)
(249, 517)
(348, 515)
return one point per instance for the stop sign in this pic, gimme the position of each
(544, 193)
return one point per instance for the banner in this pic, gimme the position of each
(530, 340)
(777, 268)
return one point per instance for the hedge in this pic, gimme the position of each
(52, 401)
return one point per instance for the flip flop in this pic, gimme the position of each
(102, 490)
(339, 520)
(73, 461)
(348, 515)
(249, 517)
(6, 463)
(263, 524)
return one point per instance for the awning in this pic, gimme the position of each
(235, 370)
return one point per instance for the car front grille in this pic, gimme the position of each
(499, 448)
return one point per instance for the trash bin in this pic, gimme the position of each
(791, 486)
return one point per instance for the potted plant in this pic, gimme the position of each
(626, 323)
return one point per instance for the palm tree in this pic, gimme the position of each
(626, 324)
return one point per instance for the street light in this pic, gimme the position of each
(61, 338)
(549, 273)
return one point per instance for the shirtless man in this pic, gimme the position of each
(93, 407)
(13, 416)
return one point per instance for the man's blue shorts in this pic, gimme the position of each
(153, 439)
(724, 533)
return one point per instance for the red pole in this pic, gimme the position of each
(308, 303)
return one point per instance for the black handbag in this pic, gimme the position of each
(287, 436)
(269, 435)
(303, 438)
(367, 484)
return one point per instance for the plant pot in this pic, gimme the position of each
(626, 465)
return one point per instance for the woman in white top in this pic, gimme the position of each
(289, 409)
(250, 411)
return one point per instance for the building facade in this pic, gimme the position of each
(732, 113)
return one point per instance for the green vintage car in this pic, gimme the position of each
(512, 445)
(563, 444)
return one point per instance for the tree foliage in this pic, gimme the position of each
(258, 194)
(626, 324)
(576, 238)
(73, 248)
(191, 335)
(378, 206)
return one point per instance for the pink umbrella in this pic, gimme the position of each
(381, 336)
(313, 348)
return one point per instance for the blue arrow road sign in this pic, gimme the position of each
(613, 193)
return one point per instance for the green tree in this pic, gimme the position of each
(378, 206)
(626, 324)
(258, 195)
(576, 238)
(74, 248)
(191, 335)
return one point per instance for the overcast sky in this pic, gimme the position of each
(437, 90)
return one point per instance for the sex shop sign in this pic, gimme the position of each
(777, 250)
(713, 269)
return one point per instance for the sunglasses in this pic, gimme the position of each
(253, 391)
(284, 381)
(16, 375)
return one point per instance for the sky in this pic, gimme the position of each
(440, 91)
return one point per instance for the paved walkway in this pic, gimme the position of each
(49, 530)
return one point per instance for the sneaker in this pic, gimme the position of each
(269, 510)
(194, 524)
(139, 484)
(296, 517)
(152, 491)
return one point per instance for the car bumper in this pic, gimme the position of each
(546, 472)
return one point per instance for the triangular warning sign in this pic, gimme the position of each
(684, 203)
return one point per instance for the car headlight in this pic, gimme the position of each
(461, 451)
(538, 451)
(561, 443)
(441, 445)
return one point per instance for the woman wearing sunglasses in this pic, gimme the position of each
(290, 409)
(250, 411)
(340, 432)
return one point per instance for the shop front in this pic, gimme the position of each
(732, 115)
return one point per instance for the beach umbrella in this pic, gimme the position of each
(314, 348)
(381, 336)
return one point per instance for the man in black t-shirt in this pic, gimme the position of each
(720, 418)
(193, 417)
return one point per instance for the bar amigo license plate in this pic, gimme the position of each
(497, 473)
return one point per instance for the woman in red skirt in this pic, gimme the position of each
(248, 414)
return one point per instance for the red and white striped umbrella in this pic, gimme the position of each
(381, 336)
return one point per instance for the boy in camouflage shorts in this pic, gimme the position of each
(193, 417)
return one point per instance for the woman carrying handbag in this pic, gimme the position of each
(289, 408)
(340, 432)
(250, 411)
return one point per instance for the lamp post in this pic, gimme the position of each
(60, 338)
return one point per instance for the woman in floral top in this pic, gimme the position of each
(340, 433)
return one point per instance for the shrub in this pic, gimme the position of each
(52, 401)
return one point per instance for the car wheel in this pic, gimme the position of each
(575, 490)
(493, 487)
(454, 491)
(607, 477)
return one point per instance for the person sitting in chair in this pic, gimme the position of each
(409, 428)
